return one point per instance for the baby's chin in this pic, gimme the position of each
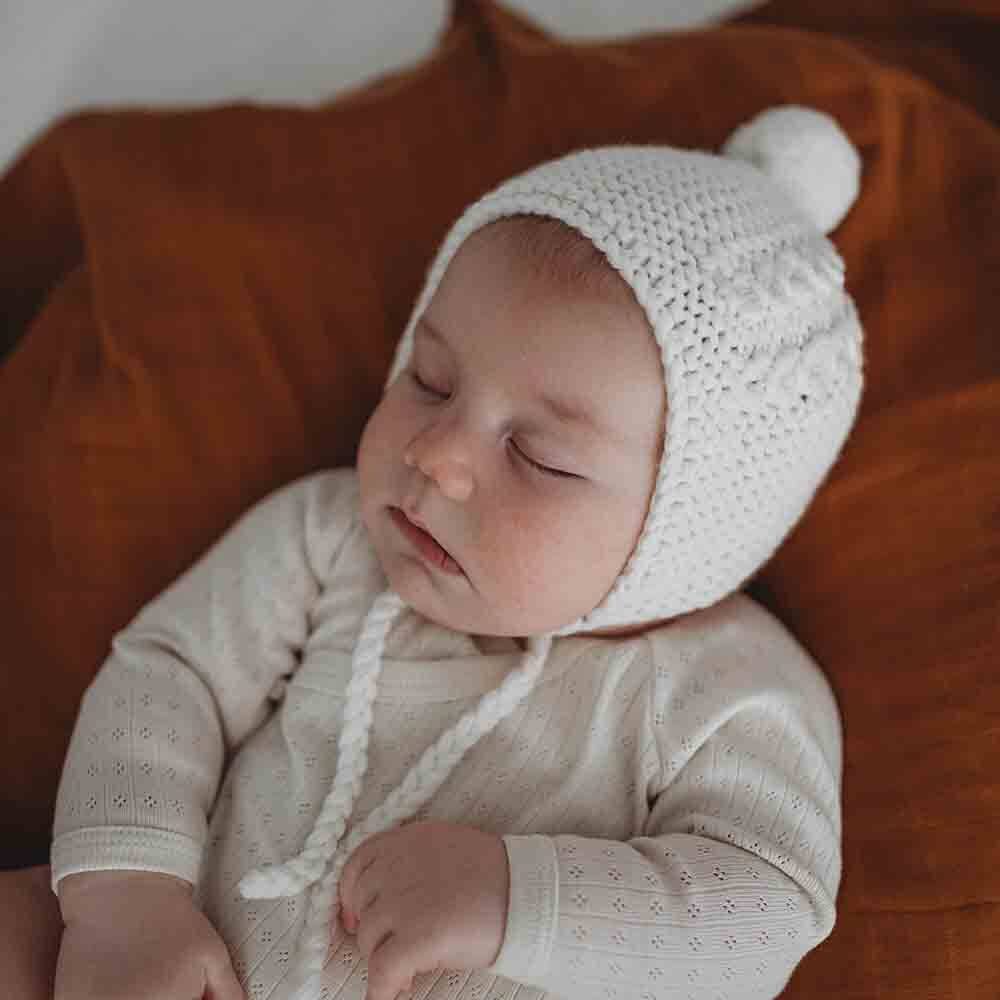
(449, 611)
(469, 612)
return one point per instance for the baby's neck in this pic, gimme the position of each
(612, 632)
(624, 631)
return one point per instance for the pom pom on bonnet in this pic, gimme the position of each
(761, 349)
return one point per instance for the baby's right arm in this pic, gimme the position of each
(187, 680)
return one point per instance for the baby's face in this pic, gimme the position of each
(507, 471)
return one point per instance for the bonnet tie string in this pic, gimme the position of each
(307, 867)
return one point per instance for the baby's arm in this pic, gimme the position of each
(185, 683)
(735, 876)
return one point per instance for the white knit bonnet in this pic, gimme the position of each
(761, 348)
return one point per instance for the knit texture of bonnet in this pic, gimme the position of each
(761, 350)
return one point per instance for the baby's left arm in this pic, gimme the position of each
(735, 875)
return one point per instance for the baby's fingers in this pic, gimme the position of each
(392, 967)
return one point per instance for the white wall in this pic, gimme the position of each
(59, 55)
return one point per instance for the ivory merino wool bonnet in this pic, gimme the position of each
(761, 351)
(761, 345)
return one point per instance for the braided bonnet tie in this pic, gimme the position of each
(422, 781)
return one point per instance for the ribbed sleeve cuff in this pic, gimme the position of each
(533, 909)
(106, 848)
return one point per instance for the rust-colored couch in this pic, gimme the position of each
(199, 306)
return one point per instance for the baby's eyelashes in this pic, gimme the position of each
(427, 388)
(541, 467)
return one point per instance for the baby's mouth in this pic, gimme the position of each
(425, 543)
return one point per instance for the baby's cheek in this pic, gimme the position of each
(593, 555)
(553, 560)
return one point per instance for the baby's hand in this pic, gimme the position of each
(423, 897)
(132, 934)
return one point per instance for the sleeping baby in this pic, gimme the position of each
(489, 713)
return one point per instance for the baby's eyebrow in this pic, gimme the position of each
(566, 411)
(572, 412)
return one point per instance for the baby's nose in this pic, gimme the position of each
(449, 473)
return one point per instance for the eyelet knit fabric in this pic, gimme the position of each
(761, 344)
(669, 804)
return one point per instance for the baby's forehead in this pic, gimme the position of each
(541, 322)
(535, 298)
(555, 252)
(602, 381)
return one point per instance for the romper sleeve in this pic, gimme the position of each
(188, 679)
(735, 874)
